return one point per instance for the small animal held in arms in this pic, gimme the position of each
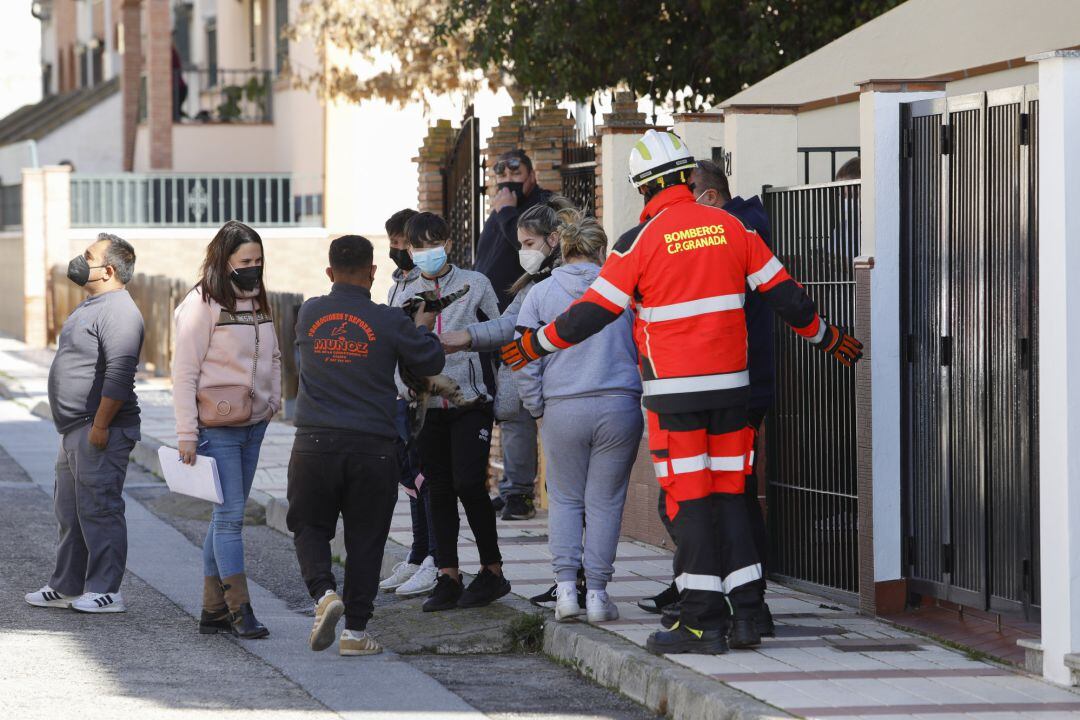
(423, 388)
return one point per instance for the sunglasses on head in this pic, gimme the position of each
(511, 163)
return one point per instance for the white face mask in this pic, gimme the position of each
(531, 260)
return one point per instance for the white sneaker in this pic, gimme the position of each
(566, 601)
(99, 603)
(402, 572)
(599, 607)
(47, 597)
(422, 582)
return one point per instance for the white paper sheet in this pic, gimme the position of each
(199, 480)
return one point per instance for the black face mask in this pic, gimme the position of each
(516, 188)
(247, 278)
(402, 259)
(79, 270)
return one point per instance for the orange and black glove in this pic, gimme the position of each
(524, 350)
(842, 346)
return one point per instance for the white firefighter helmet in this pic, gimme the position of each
(656, 153)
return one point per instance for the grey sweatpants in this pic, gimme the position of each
(92, 552)
(589, 447)
(518, 438)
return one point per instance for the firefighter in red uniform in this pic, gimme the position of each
(685, 270)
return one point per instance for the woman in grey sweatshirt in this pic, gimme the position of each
(589, 397)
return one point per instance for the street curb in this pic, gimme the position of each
(657, 683)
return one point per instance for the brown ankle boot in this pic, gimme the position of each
(215, 615)
(241, 616)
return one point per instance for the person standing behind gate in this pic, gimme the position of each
(497, 258)
(345, 457)
(590, 399)
(226, 386)
(96, 412)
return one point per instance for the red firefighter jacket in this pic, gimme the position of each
(685, 271)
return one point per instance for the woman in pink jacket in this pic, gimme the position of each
(226, 386)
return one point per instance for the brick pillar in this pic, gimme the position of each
(130, 76)
(159, 83)
(543, 141)
(505, 136)
(599, 209)
(429, 165)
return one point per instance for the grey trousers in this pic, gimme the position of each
(589, 448)
(92, 550)
(518, 437)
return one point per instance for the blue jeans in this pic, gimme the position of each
(236, 451)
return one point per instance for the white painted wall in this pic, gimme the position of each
(880, 129)
(762, 151)
(15, 157)
(1059, 359)
(11, 290)
(225, 147)
(92, 141)
(702, 137)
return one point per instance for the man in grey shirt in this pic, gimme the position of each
(92, 396)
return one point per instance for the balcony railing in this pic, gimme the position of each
(220, 96)
(195, 200)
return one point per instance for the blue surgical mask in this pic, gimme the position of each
(430, 261)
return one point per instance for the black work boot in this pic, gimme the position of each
(657, 603)
(681, 639)
(763, 622)
(669, 616)
(744, 633)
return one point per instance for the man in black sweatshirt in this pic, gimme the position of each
(345, 456)
(497, 250)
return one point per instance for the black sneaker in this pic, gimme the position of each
(683, 640)
(669, 616)
(657, 603)
(547, 598)
(744, 634)
(763, 621)
(518, 507)
(445, 595)
(484, 590)
(497, 503)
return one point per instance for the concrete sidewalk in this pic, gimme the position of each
(827, 661)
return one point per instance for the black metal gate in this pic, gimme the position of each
(969, 259)
(812, 479)
(463, 191)
(579, 172)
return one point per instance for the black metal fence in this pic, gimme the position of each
(579, 171)
(812, 479)
(970, 413)
(10, 206)
(837, 155)
(463, 192)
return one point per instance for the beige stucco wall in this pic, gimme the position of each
(296, 258)
(11, 290)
